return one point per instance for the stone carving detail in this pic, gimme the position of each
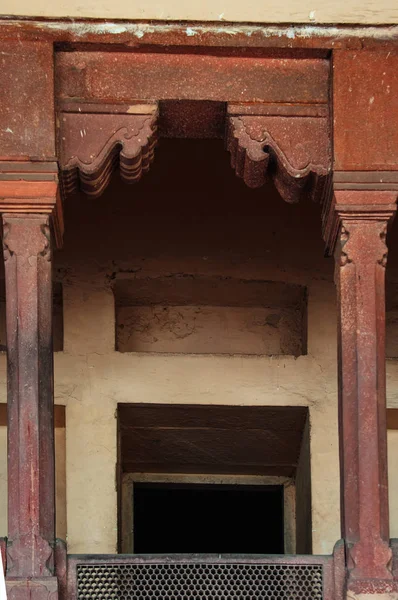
(383, 237)
(29, 189)
(7, 252)
(349, 226)
(344, 236)
(352, 209)
(292, 151)
(93, 145)
(19, 551)
(44, 588)
(14, 243)
(46, 231)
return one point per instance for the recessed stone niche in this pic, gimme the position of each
(210, 315)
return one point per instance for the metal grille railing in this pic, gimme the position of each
(201, 581)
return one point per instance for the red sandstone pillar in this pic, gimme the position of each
(27, 241)
(360, 219)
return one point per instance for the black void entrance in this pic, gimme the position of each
(208, 519)
(214, 479)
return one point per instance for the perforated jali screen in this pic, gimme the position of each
(202, 581)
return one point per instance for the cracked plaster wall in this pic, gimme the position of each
(217, 323)
(157, 228)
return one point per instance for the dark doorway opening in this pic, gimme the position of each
(208, 519)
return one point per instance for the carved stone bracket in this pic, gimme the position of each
(28, 188)
(93, 145)
(344, 205)
(292, 150)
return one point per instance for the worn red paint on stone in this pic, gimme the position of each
(361, 255)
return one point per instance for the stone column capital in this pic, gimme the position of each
(356, 206)
(32, 189)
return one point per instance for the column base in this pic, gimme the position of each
(372, 589)
(372, 596)
(37, 588)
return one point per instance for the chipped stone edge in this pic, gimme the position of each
(81, 28)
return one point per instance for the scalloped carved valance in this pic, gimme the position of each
(294, 150)
(93, 145)
(289, 145)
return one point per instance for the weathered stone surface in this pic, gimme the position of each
(361, 255)
(93, 145)
(31, 487)
(205, 315)
(37, 588)
(211, 330)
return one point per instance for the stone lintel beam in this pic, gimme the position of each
(92, 145)
(289, 145)
(355, 227)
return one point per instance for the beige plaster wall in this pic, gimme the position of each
(292, 11)
(91, 378)
(303, 495)
(392, 437)
(93, 383)
(3, 481)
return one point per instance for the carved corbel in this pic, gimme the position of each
(93, 145)
(31, 188)
(358, 196)
(292, 149)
